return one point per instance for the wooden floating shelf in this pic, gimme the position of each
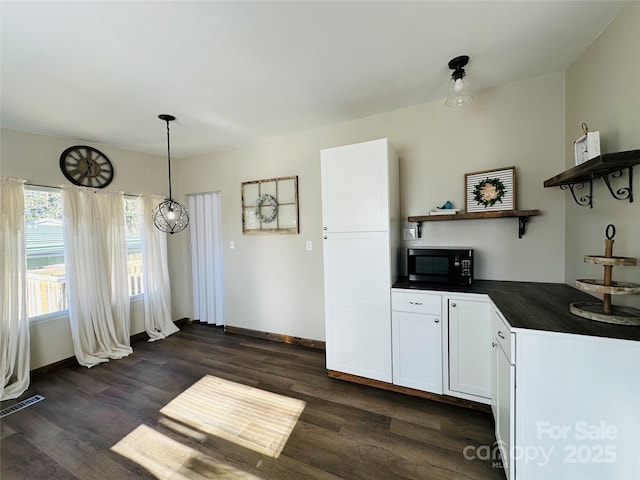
(605, 166)
(521, 215)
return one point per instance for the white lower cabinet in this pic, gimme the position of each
(417, 351)
(469, 347)
(417, 340)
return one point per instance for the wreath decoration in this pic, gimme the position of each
(270, 199)
(488, 192)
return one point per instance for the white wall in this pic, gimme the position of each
(602, 90)
(273, 284)
(35, 158)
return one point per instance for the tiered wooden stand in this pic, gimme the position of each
(604, 311)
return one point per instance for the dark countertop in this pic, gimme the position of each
(536, 306)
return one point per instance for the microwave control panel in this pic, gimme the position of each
(466, 268)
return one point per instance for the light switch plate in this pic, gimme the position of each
(409, 233)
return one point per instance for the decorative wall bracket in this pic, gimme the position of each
(582, 200)
(623, 193)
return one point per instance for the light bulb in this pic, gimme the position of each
(171, 215)
(458, 85)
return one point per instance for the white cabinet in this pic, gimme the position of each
(358, 308)
(359, 203)
(359, 183)
(469, 348)
(503, 388)
(417, 340)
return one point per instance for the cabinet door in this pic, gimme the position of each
(494, 379)
(470, 347)
(505, 396)
(417, 351)
(357, 283)
(355, 187)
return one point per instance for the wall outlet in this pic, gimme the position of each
(309, 246)
(232, 245)
(409, 233)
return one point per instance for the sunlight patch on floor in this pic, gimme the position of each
(168, 459)
(252, 418)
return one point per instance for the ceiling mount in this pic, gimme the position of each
(166, 117)
(457, 64)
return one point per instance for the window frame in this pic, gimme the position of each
(64, 314)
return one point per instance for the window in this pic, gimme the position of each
(44, 234)
(46, 279)
(134, 245)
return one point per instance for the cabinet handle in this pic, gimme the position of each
(494, 344)
(415, 303)
(324, 228)
(453, 304)
(436, 321)
(325, 237)
(501, 335)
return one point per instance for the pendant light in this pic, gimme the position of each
(458, 90)
(170, 216)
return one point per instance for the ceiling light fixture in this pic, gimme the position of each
(458, 91)
(170, 216)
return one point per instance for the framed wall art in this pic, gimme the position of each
(490, 190)
(270, 206)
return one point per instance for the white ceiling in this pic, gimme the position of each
(235, 73)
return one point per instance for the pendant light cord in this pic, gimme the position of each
(169, 159)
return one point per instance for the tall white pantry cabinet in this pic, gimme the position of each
(360, 215)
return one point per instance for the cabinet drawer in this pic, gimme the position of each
(501, 333)
(406, 301)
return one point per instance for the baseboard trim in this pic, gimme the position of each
(64, 363)
(72, 362)
(276, 337)
(460, 402)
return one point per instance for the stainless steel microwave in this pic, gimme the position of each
(440, 265)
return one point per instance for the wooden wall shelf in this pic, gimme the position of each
(521, 215)
(605, 166)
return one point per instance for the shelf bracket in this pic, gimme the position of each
(623, 193)
(585, 199)
(522, 223)
(419, 229)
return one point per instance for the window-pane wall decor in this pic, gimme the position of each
(270, 206)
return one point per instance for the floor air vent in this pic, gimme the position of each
(20, 405)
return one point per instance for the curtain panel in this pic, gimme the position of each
(155, 277)
(96, 265)
(14, 322)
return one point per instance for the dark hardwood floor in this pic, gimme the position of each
(346, 430)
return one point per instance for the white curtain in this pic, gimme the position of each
(155, 277)
(206, 257)
(14, 326)
(96, 265)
